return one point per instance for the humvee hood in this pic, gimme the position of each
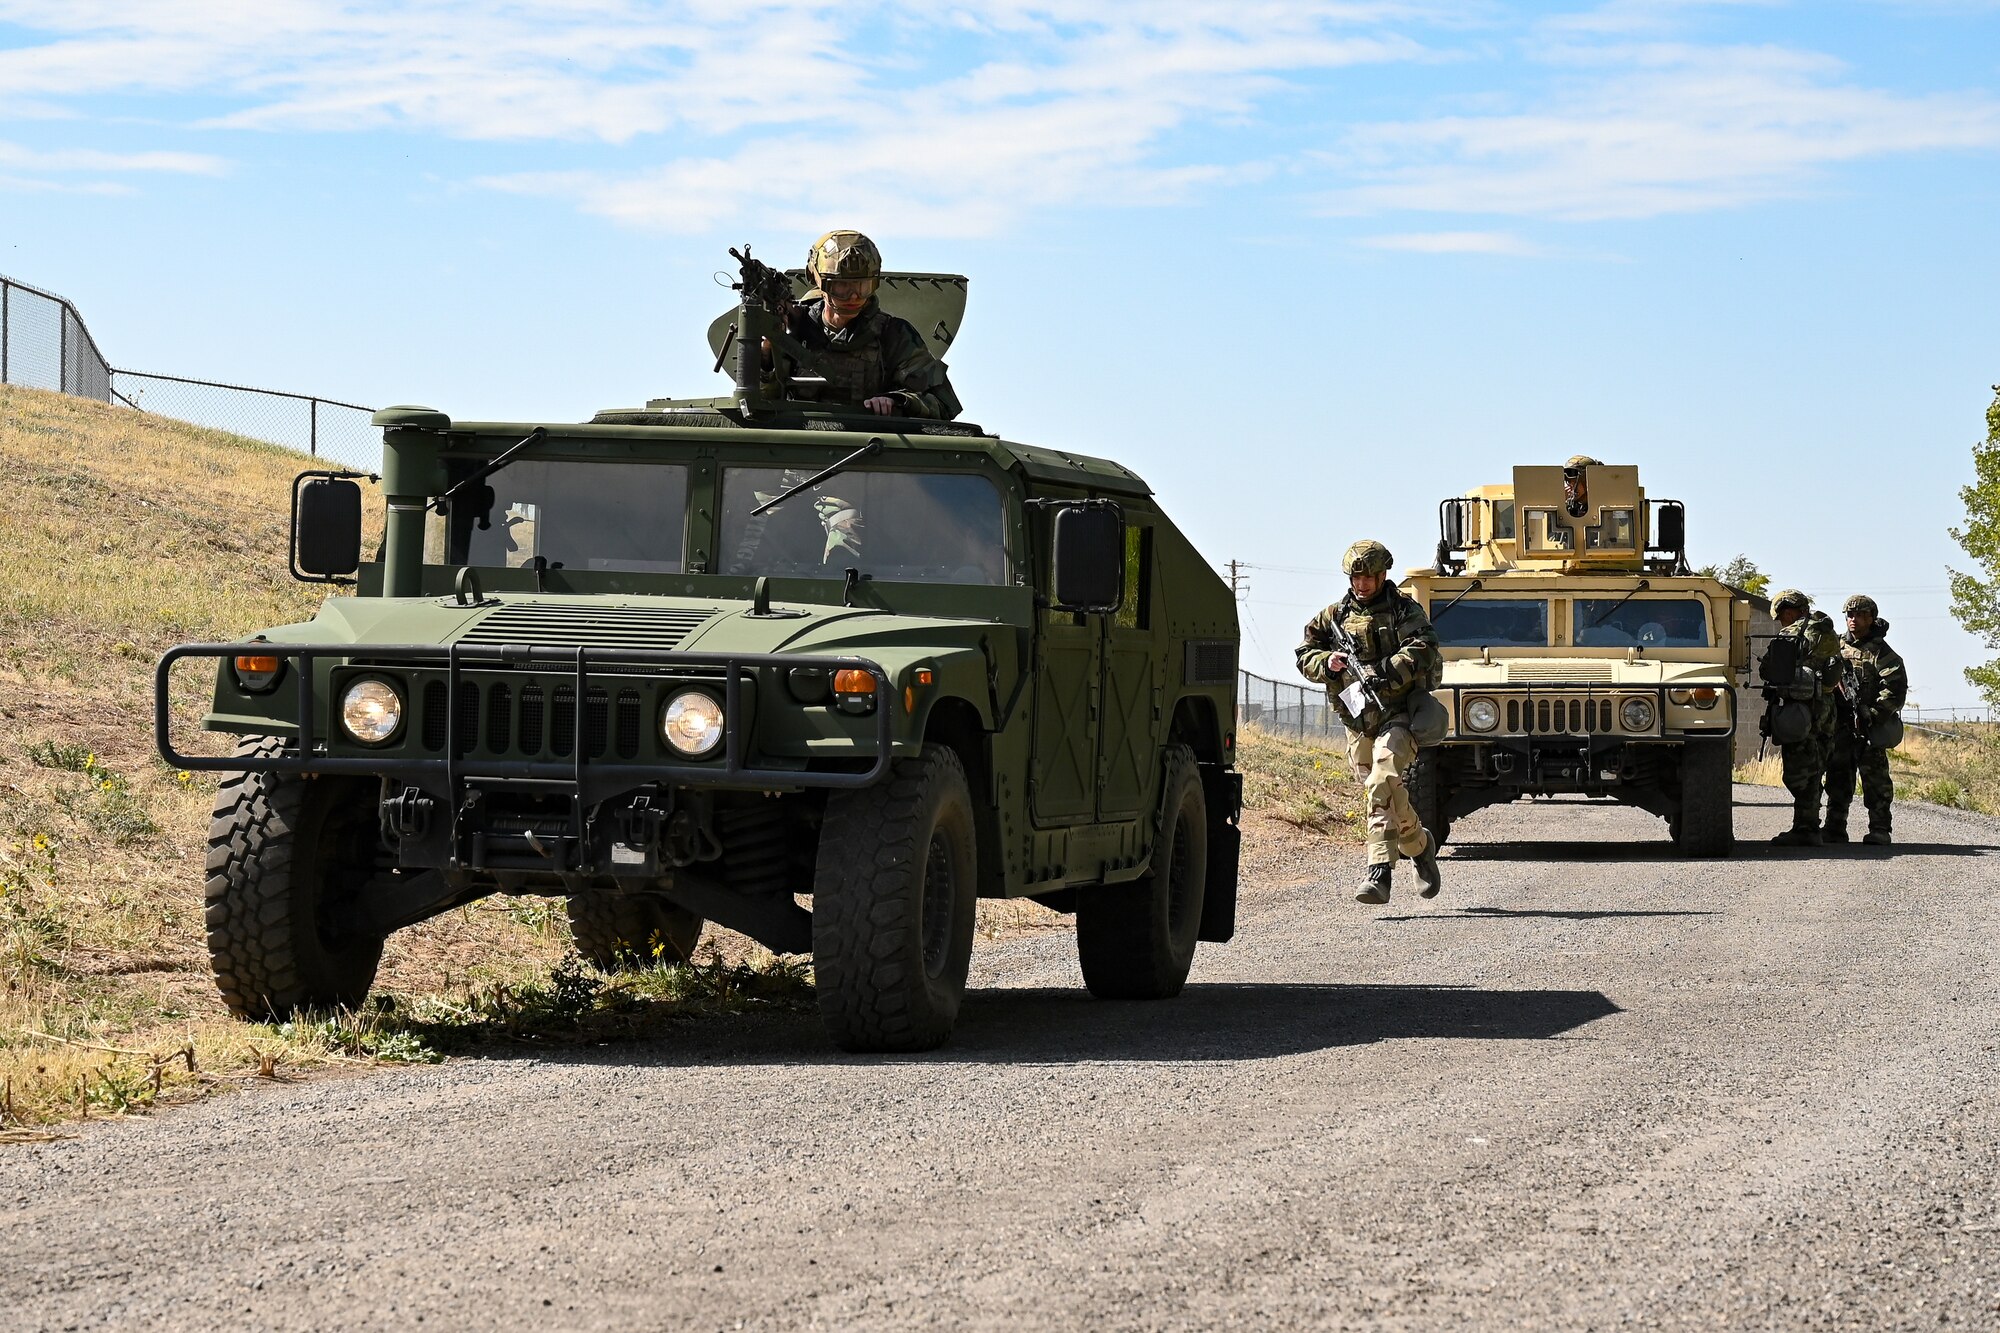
(691, 624)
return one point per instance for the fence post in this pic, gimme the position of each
(313, 429)
(6, 325)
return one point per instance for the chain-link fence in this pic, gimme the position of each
(1287, 708)
(45, 345)
(338, 432)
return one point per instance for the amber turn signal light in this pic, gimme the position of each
(257, 673)
(853, 680)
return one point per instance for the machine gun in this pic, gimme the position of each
(764, 319)
(1361, 696)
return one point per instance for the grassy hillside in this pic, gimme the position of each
(129, 533)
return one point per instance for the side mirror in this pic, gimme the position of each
(1672, 535)
(1451, 524)
(326, 527)
(1087, 557)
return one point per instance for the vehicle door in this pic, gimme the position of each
(1130, 685)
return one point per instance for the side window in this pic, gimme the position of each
(1136, 611)
(1503, 520)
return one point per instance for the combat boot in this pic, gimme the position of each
(1426, 863)
(1376, 890)
(1877, 837)
(1833, 832)
(1798, 837)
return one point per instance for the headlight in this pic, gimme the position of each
(691, 723)
(1482, 715)
(371, 711)
(1699, 697)
(1636, 714)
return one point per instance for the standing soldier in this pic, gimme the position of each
(1818, 656)
(1873, 687)
(872, 359)
(1373, 650)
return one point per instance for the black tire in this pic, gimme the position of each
(894, 890)
(1428, 795)
(1136, 941)
(282, 854)
(1706, 826)
(619, 932)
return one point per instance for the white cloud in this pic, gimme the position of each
(1644, 130)
(1457, 243)
(18, 158)
(953, 118)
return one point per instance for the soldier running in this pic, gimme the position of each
(1805, 759)
(1378, 640)
(1874, 671)
(871, 358)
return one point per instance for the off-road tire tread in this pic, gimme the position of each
(1121, 943)
(248, 900)
(1427, 797)
(615, 930)
(867, 906)
(1705, 828)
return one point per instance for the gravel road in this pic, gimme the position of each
(1591, 1085)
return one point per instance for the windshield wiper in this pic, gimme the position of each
(1640, 587)
(1470, 589)
(872, 447)
(535, 436)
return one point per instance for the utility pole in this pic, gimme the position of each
(1239, 579)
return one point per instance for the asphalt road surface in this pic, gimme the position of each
(1589, 1086)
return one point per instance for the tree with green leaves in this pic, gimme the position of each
(1975, 598)
(1741, 572)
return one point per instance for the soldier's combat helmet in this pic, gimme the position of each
(1366, 557)
(1582, 460)
(843, 254)
(1861, 604)
(1790, 597)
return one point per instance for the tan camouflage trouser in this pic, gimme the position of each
(1380, 762)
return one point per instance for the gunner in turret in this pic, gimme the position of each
(871, 358)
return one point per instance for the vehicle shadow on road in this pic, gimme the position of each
(1207, 1022)
(1511, 913)
(1238, 1021)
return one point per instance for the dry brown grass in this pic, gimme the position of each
(127, 534)
(1960, 771)
(1301, 783)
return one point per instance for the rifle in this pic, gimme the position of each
(1852, 699)
(1362, 693)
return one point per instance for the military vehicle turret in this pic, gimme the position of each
(1582, 655)
(713, 659)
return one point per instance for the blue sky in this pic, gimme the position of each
(1308, 267)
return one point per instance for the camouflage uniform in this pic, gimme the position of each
(1805, 759)
(876, 354)
(1884, 685)
(1396, 639)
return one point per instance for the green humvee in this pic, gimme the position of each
(704, 660)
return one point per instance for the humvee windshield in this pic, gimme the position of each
(934, 527)
(1657, 623)
(1493, 623)
(603, 516)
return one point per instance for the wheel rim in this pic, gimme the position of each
(940, 895)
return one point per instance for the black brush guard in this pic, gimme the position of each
(591, 779)
(1533, 750)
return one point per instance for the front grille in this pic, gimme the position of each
(1557, 715)
(533, 721)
